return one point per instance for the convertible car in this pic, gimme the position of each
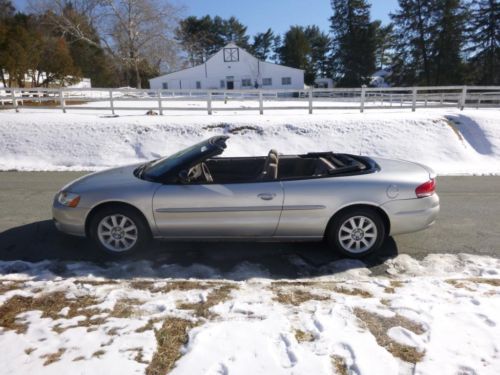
(353, 202)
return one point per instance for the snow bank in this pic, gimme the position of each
(371, 325)
(450, 141)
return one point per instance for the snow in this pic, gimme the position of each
(448, 140)
(453, 299)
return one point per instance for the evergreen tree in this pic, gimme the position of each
(353, 42)
(263, 45)
(447, 42)
(234, 31)
(295, 52)
(319, 43)
(384, 41)
(484, 43)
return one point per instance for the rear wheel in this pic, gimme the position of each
(119, 230)
(357, 232)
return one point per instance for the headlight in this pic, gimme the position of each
(68, 199)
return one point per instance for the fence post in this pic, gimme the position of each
(310, 101)
(160, 108)
(261, 103)
(14, 100)
(61, 99)
(414, 99)
(111, 102)
(209, 103)
(442, 98)
(363, 93)
(479, 100)
(463, 98)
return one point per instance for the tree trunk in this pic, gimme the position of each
(137, 76)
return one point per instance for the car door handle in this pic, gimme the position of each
(266, 196)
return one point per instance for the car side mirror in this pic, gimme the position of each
(183, 177)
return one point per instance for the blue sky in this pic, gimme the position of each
(259, 15)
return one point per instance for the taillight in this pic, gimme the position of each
(426, 189)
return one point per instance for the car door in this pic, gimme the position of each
(218, 210)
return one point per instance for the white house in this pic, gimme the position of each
(232, 68)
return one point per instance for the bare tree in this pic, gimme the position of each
(134, 32)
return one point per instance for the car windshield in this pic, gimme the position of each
(157, 168)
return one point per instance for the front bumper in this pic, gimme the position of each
(69, 220)
(412, 215)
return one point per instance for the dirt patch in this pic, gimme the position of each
(462, 283)
(378, 325)
(80, 358)
(296, 297)
(216, 296)
(392, 286)
(7, 286)
(339, 365)
(170, 286)
(99, 353)
(235, 129)
(148, 326)
(302, 336)
(28, 351)
(53, 357)
(325, 285)
(139, 357)
(50, 305)
(170, 338)
(126, 308)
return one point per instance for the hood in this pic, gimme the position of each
(109, 178)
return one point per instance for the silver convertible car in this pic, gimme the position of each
(353, 202)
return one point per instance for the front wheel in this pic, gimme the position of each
(357, 232)
(119, 231)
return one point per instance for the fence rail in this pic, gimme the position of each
(363, 98)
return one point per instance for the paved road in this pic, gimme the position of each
(469, 222)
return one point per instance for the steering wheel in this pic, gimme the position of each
(206, 173)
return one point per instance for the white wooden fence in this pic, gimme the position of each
(166, 101)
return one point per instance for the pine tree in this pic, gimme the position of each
(353, 42)
(263, 44)
(448, 25)
(320, 45)
(384, 40)
(295, 52)
(484, 43)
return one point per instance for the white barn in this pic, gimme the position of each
(232, 68)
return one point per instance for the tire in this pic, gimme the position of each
(119, 230)
(357, 232)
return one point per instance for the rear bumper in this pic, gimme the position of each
(69, 220)
(412, 215)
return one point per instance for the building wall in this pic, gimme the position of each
(216, 73)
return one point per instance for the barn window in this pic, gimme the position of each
(267, 81)
(222, 84)
(164, 85)
(198, 84)
(286, 81)
(231, 55)
(246, 82)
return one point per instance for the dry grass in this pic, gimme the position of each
(148, 326)
(125, 308)
(323, 285)
(28, 351)
(170, 338)
(80, 358)
(378, 325)
(295, 296)
(216, 296)
(99, 353)
(8, 285)
(463, 283)
(339, 365)
(302, 336)
(393, 285)
(95, 282)
(139, 357)
(53, 357)
(50, 304)
(184, 285)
